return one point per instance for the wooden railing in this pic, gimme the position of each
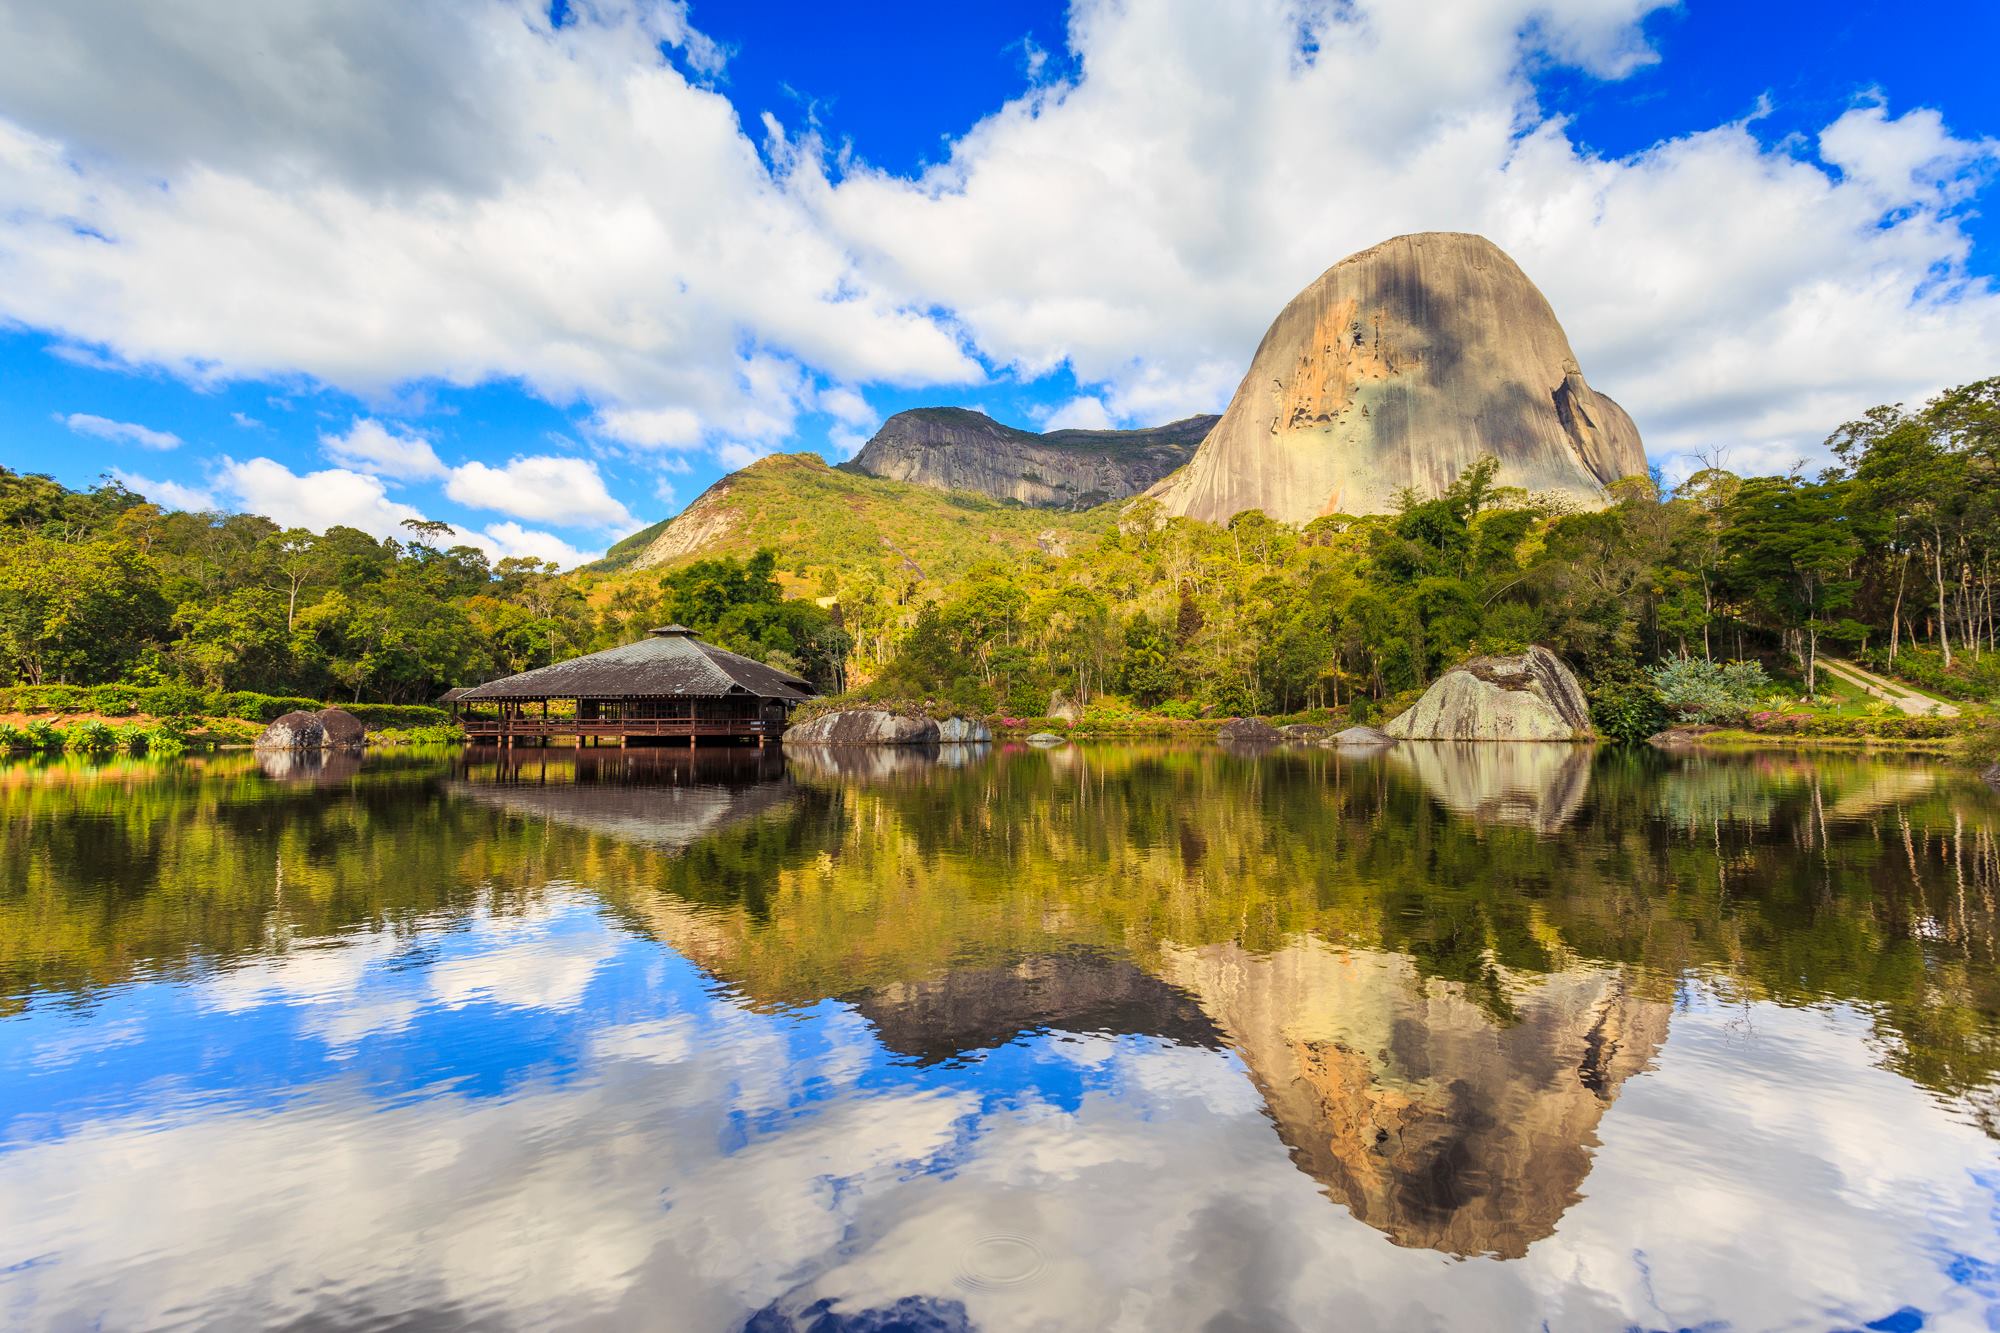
(481, 728)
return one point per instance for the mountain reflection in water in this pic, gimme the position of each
(1104, 1037)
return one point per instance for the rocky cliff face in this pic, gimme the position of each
(1399, 367)
(955, 449)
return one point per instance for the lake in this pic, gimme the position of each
(1504, 1037)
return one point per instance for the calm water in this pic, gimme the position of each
(1503, 1038)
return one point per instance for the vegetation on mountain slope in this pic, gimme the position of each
(917, 594)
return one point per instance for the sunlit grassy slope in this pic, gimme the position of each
(823, 520)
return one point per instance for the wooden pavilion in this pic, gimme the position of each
(667, 688)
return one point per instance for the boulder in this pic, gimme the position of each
(1531, 696)
(863, 726)
(344, 731)
(1063, 707)
(963, 731)
(1046, 738)
(1302, 733)
(1990, 775)
(1362, 738)
(294, 731)
(1248, 731)
(1673, 738)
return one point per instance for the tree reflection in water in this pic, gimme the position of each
(1438, 967)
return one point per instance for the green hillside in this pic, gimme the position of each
(830, 524)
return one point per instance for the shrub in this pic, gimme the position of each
(164, 740)
(1181, 710)
(93, 738)
(44, 737)
(375, 716)
(1627, 710)
(114, 700)
(1695, 689)
(50, 698)
(174, 699)
(132, 738)
(13, 740)
(254, 707)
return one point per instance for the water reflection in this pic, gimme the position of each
(1538, 786)
(1092, 1038)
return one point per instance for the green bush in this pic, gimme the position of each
(114, 700)
(173, 699)
(394, 716)
(1695, 689)
(13, 740)
(45, 737)
(254, 707)
(50, 698)
(164, 740)
(1627, 711)
(132, 738)
(92, 738)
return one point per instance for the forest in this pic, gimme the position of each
(1885, 556)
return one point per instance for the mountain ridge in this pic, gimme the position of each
(962, 449)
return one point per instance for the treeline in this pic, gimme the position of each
(1888, 555)
(101, 588)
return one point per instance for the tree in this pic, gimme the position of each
(1793, 551)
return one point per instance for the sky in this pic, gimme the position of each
(544, 272)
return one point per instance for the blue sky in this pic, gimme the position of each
(547, 275)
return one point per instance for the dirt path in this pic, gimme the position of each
(1905, 698)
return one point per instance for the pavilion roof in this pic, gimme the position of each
(668, 662)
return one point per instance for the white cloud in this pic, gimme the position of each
(317, 500)
(846, 406)
(383, 451)
(246, 421)
(167, 494)
(1144, 221)
(511, 539)
(367, 194)
(543, 487)
(119, 432)
(651, 428)
(1083, 412)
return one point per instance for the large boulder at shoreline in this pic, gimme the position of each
(1362, 738)
(963, 731)
(1531, 696)
(1248, 731)
(293, 731)
(329, 728)
(343, 730)
(863, 726)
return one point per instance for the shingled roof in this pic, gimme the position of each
(669, 662)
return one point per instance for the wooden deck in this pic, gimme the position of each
(514, 730)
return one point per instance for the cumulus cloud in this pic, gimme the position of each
(1143, 221)
(341, 497)
(167, 494)
(1084, 412)
(120, 432)
(317, 500)
(511, 539)
(545, 487)
(383, 451)
(368, 194)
